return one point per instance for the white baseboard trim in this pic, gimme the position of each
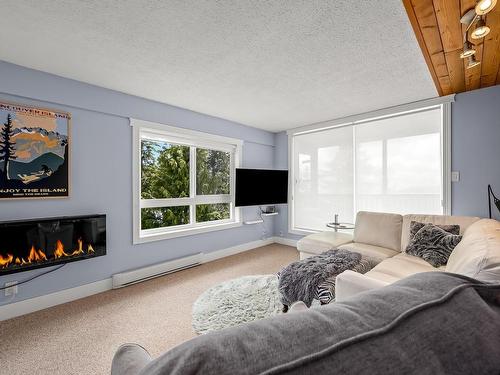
(285, 241)
(30, 305)
(214, 255)
(57, 298)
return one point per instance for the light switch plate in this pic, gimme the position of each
(455, 176)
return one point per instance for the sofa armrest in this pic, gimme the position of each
(129, 359)
(349, 283)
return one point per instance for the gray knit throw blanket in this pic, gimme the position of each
(298, 281)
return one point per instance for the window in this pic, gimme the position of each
(393, 163)
(183, 182)
(329, 183)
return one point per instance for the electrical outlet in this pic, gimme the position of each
(281, 233)
(12, 288)
(455, 176)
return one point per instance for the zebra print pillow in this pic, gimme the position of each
(433, 244)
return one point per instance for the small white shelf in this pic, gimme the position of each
(269, 213)
(259, 221)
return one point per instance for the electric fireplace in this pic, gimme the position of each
(35, 243)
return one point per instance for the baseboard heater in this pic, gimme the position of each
(123, 279)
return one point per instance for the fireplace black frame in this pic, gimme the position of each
(100, 248)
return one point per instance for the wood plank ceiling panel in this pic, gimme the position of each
(437, 26)
(448, 16)
(491, 54)
(426, 30)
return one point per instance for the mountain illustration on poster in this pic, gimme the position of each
(34, 152)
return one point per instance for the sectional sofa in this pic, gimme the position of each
(406, 327)
(382, 238)
(427, 323)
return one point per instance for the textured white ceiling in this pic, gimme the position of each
(270, 64)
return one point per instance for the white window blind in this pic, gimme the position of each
(393, 164)
(324, 182)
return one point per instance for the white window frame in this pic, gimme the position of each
(442, 102)
(149, 130)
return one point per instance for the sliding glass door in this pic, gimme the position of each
(323, 177)
(392, 164)
(398, 164)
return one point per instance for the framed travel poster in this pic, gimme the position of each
(34, 152)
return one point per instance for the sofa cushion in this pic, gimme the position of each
(379, 229)
(463, 221)
(478, 254)
(375, 254)
(318, 243)
(450, 321)
(398, 267)
(433, 244)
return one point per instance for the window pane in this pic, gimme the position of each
(164, 217)
(398, 164)
(414, 165)
(369, 167)
(212, 172)
(212, 212)
(164, 170)
(324, 178)
(304, 167)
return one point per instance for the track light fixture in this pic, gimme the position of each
(468, 50)
(472, 62)
(474, 19)
(481, 30)
(484, 6)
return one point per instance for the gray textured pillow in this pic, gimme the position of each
(433, 244)
(415, 226)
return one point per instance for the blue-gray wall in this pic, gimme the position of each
(475, 154)
(101, 166)
(476, 150)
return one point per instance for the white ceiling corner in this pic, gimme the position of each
(274, 65)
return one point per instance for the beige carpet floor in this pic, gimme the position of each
(81, 337)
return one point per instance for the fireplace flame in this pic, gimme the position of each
(4, 262)
(80, 248)
(59, 252)
(37, 256)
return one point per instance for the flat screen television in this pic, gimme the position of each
(258, 187)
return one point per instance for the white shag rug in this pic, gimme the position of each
(236, 301)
